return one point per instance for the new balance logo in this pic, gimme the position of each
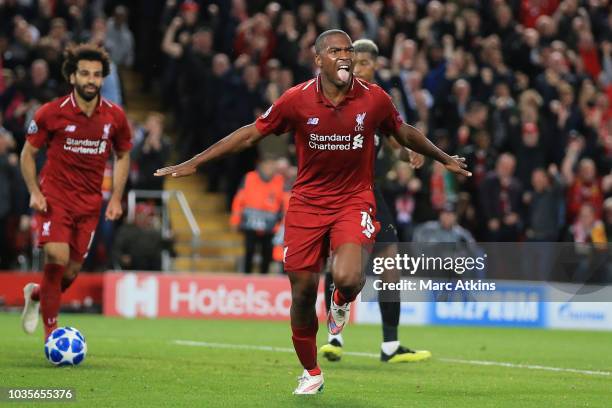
(46, 227)
(70, 128)
(312, 121)
(358, 141)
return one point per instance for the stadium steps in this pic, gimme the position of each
(220, 248)
(215, 264)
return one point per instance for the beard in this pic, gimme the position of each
(88, 95)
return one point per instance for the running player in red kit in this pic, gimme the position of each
(334, 117)
(79, 131)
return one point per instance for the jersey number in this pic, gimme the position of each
(366, 223)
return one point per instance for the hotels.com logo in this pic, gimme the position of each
(137, 297)
(183, 296)
(222, 301)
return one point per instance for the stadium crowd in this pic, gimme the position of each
(33, 35)
(521, 88)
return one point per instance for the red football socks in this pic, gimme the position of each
(50, 296)
(339, 299)
(66, 282)
(305, 344)
(315, 371)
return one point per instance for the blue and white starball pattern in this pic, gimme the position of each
(65, 346)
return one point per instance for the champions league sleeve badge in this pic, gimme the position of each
(32, 128)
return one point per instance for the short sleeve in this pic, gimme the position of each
(391, 118)
(38, 132)
(123, 137)
(276, 120)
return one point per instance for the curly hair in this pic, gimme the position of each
(89, 52)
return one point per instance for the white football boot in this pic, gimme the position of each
(337, 317)
(309, 384)
(29, 316)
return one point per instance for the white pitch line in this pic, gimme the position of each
(527, 366)
(373, 355)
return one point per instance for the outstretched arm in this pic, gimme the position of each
(243, 138)
(412, 138)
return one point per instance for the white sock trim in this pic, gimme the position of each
(337, 337)
(389, 347)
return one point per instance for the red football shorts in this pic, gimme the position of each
(61, 225)
(310, 234)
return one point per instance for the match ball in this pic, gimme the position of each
(65, 346)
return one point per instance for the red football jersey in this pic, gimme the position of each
(334, 144)
(78, 148)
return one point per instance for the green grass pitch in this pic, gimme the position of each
(136, 363)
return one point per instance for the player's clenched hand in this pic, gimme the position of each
(113, 210)
(38, 202)
(457, 165)
(180, 170)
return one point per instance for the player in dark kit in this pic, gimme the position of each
(79, 131)
(366, 53)
(334, 117)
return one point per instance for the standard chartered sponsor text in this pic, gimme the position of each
(82, 146)
(330, 142)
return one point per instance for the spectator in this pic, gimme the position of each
(501, 195)
(437, 186)
(584, 187)
(450, 112)
(139, 245)
(608, 218)
(8, 166)
(480, 158)
(195, 90)
(41, 88)
(176, 38)
(545, 206)
(257, 210)
(119, 38)
(247, 103)
(151, 153)
(256, 39)
(530, 144)
(445, 229)
(588, 228)
(400, 189)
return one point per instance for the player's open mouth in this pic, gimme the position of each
(344, 71)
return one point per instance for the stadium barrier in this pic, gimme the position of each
(86, 290)
(152, 295)
(200, 296)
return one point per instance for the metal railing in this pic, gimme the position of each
(166, 229)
